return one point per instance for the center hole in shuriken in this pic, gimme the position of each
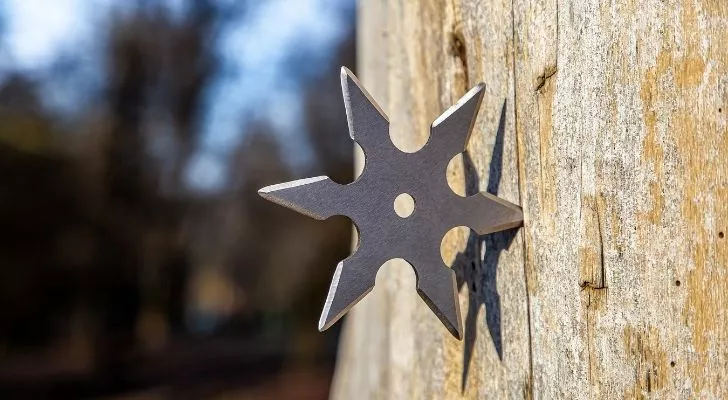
(404, 205)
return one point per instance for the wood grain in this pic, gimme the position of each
(607, 122)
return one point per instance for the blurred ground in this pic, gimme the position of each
(128, 269)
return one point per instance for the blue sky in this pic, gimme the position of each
(266, 55)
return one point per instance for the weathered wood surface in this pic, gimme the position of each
(607, 121)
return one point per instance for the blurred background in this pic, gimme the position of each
(136, 259)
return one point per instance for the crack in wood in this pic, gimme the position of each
(546, 75)
(529, 386)
(460, 52)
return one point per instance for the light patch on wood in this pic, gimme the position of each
(648, 361)
(652, 148)
(546, 89)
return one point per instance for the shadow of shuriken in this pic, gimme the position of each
(477, 268)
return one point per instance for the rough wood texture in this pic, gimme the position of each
(607, 121)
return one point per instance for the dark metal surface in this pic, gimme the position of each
(368, 202)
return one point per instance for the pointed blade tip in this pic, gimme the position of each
(350, 84)
(322, 326)
(269, 192)
(265, 192)
(476, 90)
(347, 76)
(325, 322)
(454, 327)
(455, 330)
(457, 334)
(346, 71)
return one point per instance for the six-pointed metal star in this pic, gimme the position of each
(368, 202)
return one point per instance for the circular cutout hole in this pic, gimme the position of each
(359, 160)
(720, 235)
(454, 243)
(404, 205)
(455, 175)
(677, 283)
(672, 363)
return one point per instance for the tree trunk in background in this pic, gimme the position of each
(607, 122)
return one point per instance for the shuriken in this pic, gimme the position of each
(368, 202)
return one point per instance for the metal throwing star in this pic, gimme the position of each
(368, 202)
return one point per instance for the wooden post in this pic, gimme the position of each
(607, 121)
